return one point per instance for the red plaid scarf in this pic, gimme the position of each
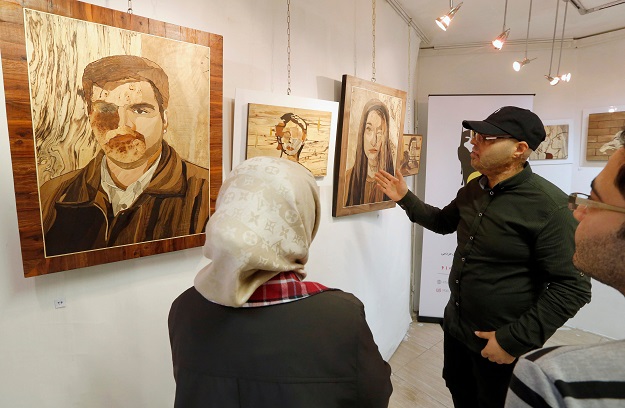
(282, 288)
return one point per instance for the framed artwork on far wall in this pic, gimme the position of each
(557, 146)
(411, 154)
(371, 122)
(115, 127)
(604, 133)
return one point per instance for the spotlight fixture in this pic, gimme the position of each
(564, 77)
(517, 65)
(501, 38)
(444, 21)
(552, 80)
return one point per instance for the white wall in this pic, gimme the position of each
(109, 346)
(597, 81)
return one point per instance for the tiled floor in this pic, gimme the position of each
(418, 362)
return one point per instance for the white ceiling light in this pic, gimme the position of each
(444, 21)
(501, 38)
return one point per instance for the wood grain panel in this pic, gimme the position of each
(216, 114)
(22, 140)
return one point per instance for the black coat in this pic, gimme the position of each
(315, 352)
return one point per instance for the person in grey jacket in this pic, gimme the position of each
(591, 375)
(251, 332)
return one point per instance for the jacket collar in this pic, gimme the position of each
(509, 183)
(168, 180)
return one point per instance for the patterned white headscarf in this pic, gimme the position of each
(266, 216)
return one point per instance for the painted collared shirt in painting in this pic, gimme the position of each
(120, 198)
(77, 215)
(512, 269)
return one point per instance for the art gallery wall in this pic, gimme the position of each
(109, 346)
(595, 64)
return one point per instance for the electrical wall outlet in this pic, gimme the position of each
(59, 303)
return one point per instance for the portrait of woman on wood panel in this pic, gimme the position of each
(370, 140)
(373, 152)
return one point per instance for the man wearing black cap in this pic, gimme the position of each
(512, 282)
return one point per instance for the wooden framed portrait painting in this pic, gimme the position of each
(295, 134)
(115, 131)
(371, 122)
(307, 129)
(411, 154)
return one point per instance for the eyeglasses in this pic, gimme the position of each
(583, 200)
(480, 138)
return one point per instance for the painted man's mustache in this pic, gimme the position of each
(127, 135)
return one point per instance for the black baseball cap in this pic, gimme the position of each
(519, 123)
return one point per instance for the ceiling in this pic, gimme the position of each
(480, 21)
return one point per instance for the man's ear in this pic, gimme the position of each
(522, 150)
(165, 122)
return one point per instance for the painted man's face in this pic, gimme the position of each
(127, 123)
(292, 138)
(375, 130)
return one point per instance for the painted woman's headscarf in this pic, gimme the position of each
(267, 214)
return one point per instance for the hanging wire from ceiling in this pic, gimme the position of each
(565, 77)
(517, 65)
(373, 16)
(129, 7)
(552, 80)
(409, 96)
(288, 46)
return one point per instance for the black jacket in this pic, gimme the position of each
(512, 270)
(317, 352)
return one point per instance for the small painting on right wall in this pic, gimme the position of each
(605, 135)
(555, 145)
